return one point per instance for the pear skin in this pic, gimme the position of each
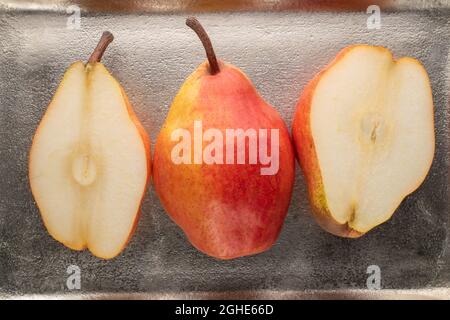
(225, 210)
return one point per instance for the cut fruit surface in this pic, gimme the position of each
(370, 121)
(89, 163)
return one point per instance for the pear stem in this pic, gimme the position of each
(195, 25)
(105, 40)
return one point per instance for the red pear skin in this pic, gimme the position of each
(225, 210)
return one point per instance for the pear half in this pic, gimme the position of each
(364, 136)
(90, 162)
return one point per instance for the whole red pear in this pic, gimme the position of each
(227, 210)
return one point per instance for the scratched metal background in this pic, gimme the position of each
(280, 45)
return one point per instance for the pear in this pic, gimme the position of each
(229, 199)
(364, 136)
(89, 162)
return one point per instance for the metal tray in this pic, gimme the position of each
(280, 45)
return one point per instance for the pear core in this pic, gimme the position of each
(373, 128)
(84, 169)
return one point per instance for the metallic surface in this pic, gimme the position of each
(183, 6)
(153, 52)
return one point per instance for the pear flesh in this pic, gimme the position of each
(89, 163)
(369, 119)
